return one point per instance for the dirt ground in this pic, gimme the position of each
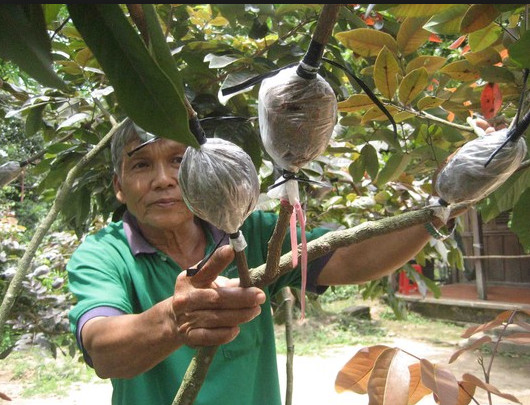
(314, 378)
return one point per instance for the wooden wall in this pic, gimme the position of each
(497, 240)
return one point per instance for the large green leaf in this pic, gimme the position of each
(506, 196)
(25, 42)
(521, 219)
(519, 51)
(143, 90)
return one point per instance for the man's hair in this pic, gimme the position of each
(127, 132)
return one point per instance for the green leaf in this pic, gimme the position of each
(355, 103)
(481, 39)
(24, 40)
(396, 164)
(461, 70)
(356, 169)
(371, 162)
(506, 196)
(143, 89)
(519, 51)
(160, 49)
(521, 219)
(429, 102)
(34, 120)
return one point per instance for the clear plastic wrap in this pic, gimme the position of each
(466, 179)
(219, 183)
(296, 117)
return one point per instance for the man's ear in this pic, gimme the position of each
(117, 189)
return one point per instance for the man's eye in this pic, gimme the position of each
(140, 165)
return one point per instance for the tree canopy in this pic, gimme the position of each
(69, 70)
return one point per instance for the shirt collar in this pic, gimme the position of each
(139, 245)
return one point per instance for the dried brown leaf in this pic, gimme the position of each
(4, 397)
(522, 324)
(475, 345)
(416, 388)
(441, 381)
(356, 372)
(523, 338)
(466, 390)
(503, 316)
(390, 379)
(470, 378)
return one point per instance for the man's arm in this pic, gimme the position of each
(373, 258)
(204, 311)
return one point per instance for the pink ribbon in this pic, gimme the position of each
(298, 212)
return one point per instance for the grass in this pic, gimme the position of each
(43, 375)
(331, 326)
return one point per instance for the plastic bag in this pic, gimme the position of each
(296, 117)
(219, 183)
(466, 179)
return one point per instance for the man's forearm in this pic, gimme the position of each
(127, 345)
(373, 258)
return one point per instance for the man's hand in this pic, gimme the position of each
(207, 309)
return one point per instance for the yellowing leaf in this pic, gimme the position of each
(429, 62)
(356, 372)
(448, 21)
(219, 21)
(390, 379)
(355, 103)
(375, 114)
(403, 115)
(411, 35)
(481, 39)
(386, 71)
(416, 388)
(488, 56)
(367, 42)
(488, 387)
(429, 102)
(461, 70)
(478, 16)
(441, 381)
(412, 85)
(419, 10)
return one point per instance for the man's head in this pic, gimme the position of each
(126, 134)
(146, 176)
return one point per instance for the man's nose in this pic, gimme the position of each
(165, 175)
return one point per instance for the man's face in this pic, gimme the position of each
(148, 184)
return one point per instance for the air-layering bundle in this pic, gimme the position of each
(482, 165)
(220, 185)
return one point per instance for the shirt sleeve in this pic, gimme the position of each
(98, 277)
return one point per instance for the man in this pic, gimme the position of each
(139, 316)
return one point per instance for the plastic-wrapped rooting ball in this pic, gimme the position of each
(219, 183)
(467, 179)
(296, 117)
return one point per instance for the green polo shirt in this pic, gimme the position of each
(104, 272)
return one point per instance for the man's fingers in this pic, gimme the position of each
(218, 298)
(213, 266)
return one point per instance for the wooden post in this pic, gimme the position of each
(478, 250)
